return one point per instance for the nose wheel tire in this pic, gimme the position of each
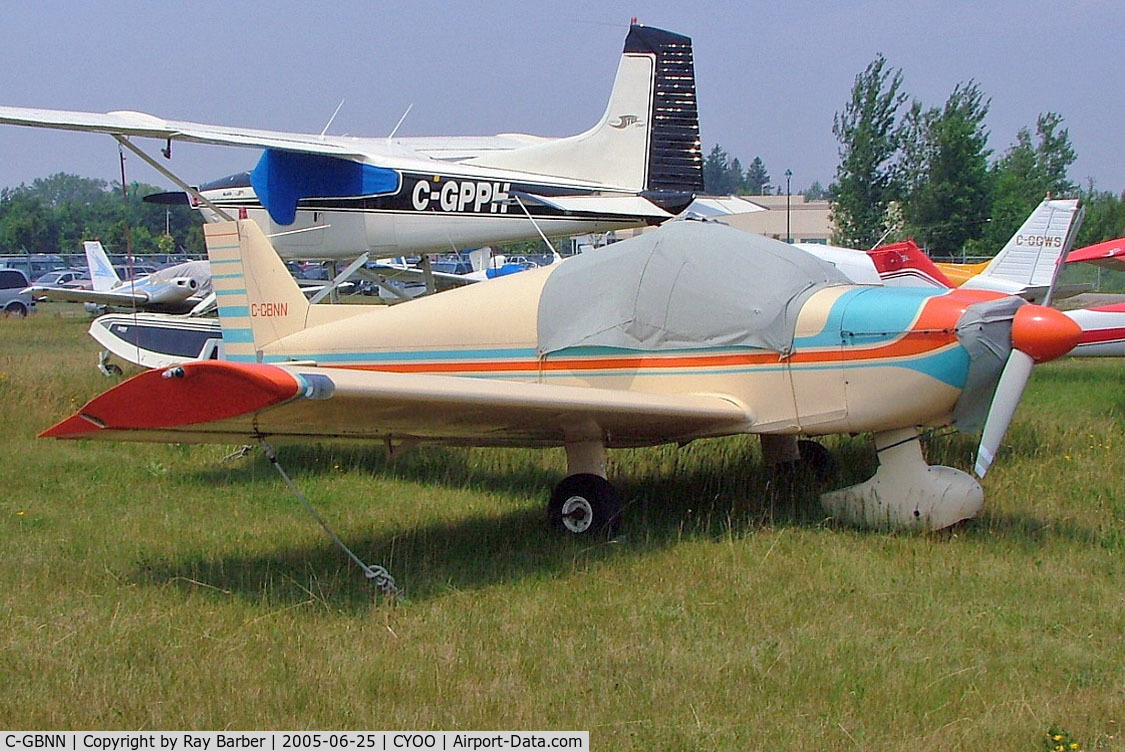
(585, 504)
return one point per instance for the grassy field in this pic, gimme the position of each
(153, 586)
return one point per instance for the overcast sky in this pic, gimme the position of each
(770, 75)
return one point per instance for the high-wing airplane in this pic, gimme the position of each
(337, 196)
(778, 344)
(174, 289)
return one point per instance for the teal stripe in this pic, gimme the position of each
(416, 356)
(234, 311)
(236, 275)
(234, 336)
(223, 248)
(235, 291)
(234, 260)
(870, 314)
(594, 351)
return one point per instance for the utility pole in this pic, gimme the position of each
(788, 206)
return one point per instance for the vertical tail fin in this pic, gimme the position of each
(1032, 255)
(102, 276)
(648, 138)
(259, 302)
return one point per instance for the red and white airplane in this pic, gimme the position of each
(1028, 265)
(638, 344)
(1103, 327)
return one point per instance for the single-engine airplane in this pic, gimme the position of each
(335, 197)
(781, 344)
(174, 289)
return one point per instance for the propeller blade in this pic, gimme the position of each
(1009, 390)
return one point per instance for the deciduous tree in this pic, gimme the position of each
(866, 179)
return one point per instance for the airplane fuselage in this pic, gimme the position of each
(429, 213)
(849, 370)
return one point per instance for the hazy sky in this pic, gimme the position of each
(770, 75)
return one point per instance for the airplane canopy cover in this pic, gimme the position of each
(282, 178)
(685, 285)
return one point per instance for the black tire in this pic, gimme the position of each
(112, 369)
(816, 458)
(585, 505)
(16, 310)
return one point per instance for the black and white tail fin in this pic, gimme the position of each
(647, 140)
(258, 300)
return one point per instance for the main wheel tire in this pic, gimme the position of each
(16, 310)
(816, 458)
(585, 504)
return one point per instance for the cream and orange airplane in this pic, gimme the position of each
(694, 330)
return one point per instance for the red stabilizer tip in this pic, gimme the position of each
(203, 392)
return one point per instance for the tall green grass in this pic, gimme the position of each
(157, 586)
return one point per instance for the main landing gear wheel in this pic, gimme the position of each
(816, 458)
(585, 504)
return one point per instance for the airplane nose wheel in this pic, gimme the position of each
(585, 504)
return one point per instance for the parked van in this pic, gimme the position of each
(13, 300)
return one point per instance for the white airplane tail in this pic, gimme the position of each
(102, 276)
(648, 138)
(1033, 255)
(259, 302)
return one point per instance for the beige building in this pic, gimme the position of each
(807, 221)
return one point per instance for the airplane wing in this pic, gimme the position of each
(372, 151)
(226, 402)
(139, 124)
(1110, 254)
(109, 298)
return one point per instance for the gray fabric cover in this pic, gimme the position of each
(685, 285)
(985, 331)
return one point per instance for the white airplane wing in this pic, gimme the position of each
(139, 124)
(379, 152)
(108, 298)
(225, 402)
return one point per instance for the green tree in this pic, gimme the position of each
(866, 179)
(1029, 170)
(817, 192)
(1105, 216)
(945, 172)
(720, 177)
(55, 214)
(756, 181)
(25, 225)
